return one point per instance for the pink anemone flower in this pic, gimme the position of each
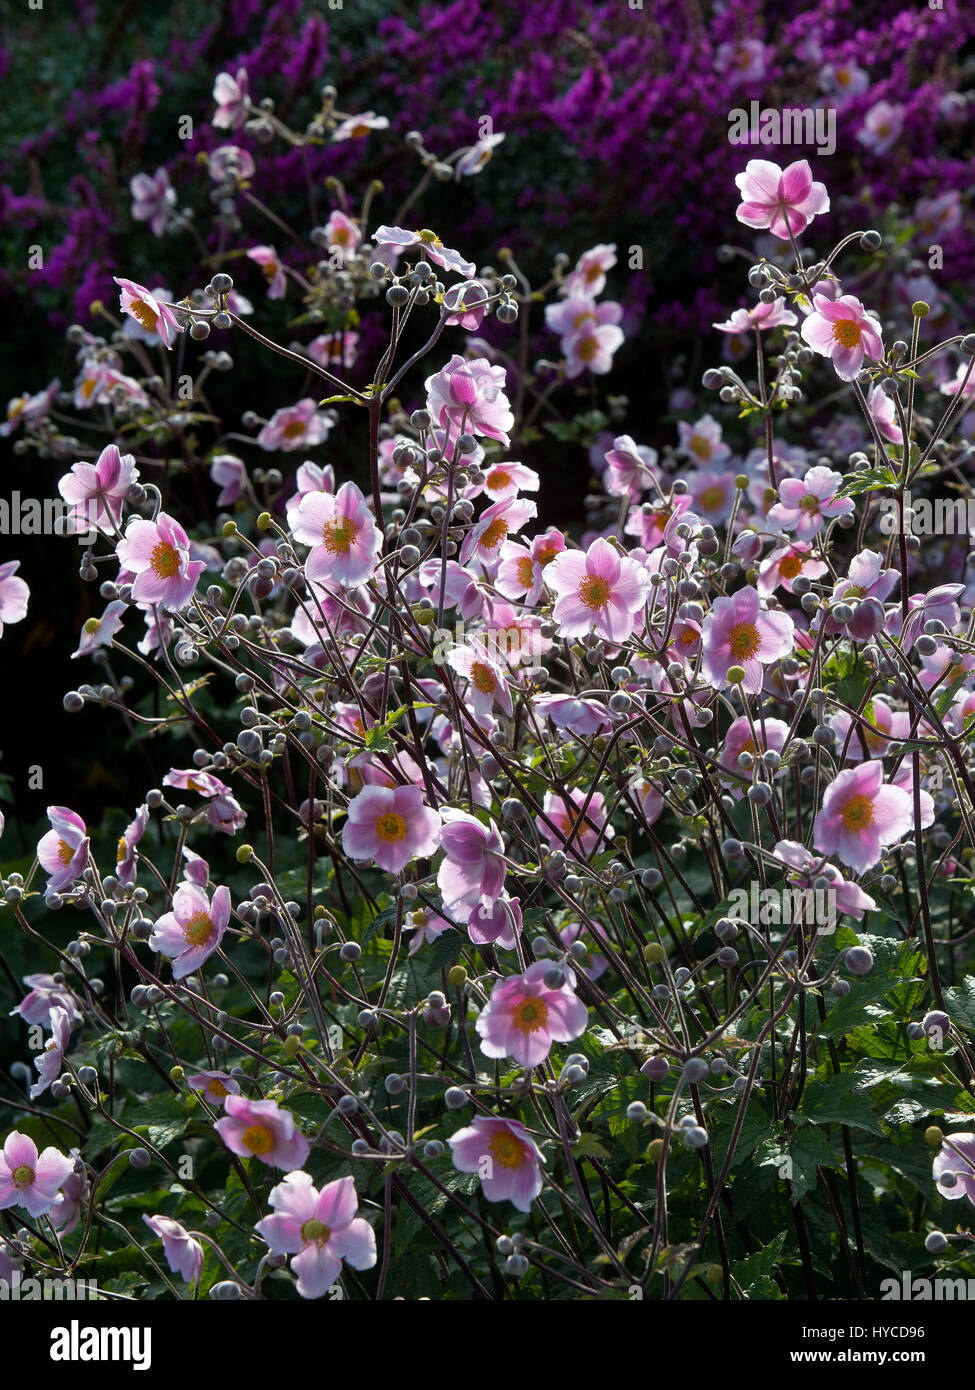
(63, 851)
(598, 590)
(473, 870)
(505, 1156)
(390, 825)
(147, 311)
(29, 1179)
(783, 200)
(524, 1017)
(191, 933)
(158, 554)
(319, 1230)
(261, 1129)
(842, 330)
(737, 633)
(184, 1253)
(861, 815)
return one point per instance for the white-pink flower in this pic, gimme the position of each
(158, 554)
(783, 200)
(319, 1230)
(63, 851)
(191, 933)
(393, 241)
(31, 1180)
(152, 199)
(147, 311)
(14, 594)
(390, 825)
(299, 426)
(882, 125)
(269, 261)
(842, 330)
(231, 96)
(343, 534)
(598, 590)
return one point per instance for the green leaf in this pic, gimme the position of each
(755, 1269)
(835, 1102)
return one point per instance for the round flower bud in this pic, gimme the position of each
(858, 960)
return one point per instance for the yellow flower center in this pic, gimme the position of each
(315, 1231)
(711, 497)
(429, 237)
(258, 1139)
(547, 555)
(594, 591)
(858, 813)
(700, 446)
(216, 1089)
(198, 929)
(391, 827)
(483, 678)
(270, 269)
(140, 310)
(587, 349)
(23, 1176)
(790, 566)
(165, 560)
(88, 387)
(525, 571)
(339, 535)
(744, 641)
(530, 1015)
(810, 503)
(294, 430)
(847, 333)
(506, 1150)
(65, 852)
(121, 851)
(494, 534)
(498, 481)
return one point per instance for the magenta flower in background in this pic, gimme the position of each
(184, 1253)
(29, 1179)
(783, 200)
(334, 349)
(505, 480)
(147, 311)
(884, 415)
(191, 933)
(152, 199)
(469, 395)
(486, 540)
(505, 1152)
(499, 924)
(390, 825)
(807, 503)
(267, 258)
(319, 1230)
(231, 95)
(785, 564)
(842, 330)
(599, 590)
(63, 851)
(739, 739)
(473, 869)
(261, 1129)
(524, 1017)
(343, 534)
(957, 1158)
(300, 426)
(737, 632)
(158, 554)
(861, 815)
(14, 594)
